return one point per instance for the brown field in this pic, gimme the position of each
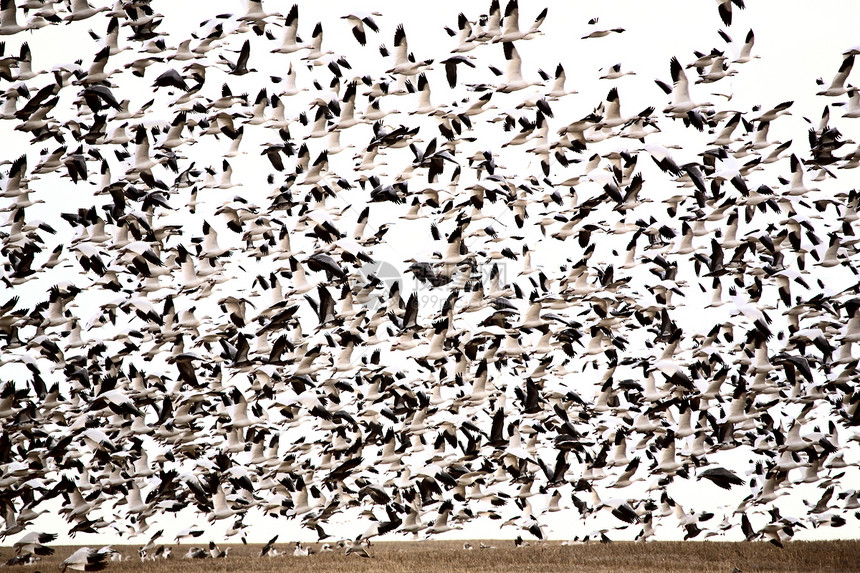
(442, 556)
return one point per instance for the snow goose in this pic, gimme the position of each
(600, 33)
(627, 476)
(558, 90)
(619, 508)
(9, 19)
(196, 553)
(81, 10)
(837, 85)
(614, 72)
(315, 53)
(404, 63)
(86, 559)
(254, 13)
(492, 27)
(451, 69)
(289, 42)
(440, 524)
(357, 550)
(681, 102)
(359, 19)
(760, 140)
(718, 70)
(513, 74)
(746, 50)
(725, 136)
(724, 7)
(34, 542)
(511, 28)
(853, 106)
(25, 65)
(300, 550)
(465, 39)
(220, 509)
(612, 113)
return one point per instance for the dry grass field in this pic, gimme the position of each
(442, 556)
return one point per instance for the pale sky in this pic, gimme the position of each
(797, 42)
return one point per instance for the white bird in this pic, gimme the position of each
(404, 64)
(86, 559)
(315, 53)
(289, 42)
(300, 550)
(81, 10)
(34, 542)
(745, 54)
(511, 28)
(681, 102)
(852, 109)
(513, 72)
(357, 550)
(837, 86)
(558, 90)
(614, 72)
(359, 19)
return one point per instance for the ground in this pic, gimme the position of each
(442, 556)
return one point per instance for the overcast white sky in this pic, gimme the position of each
(797, 41)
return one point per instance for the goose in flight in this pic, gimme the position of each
(9, 19)
(490, 25)
(722, 477)
(34, 542)
(316, 54)
(290, 39)
(614, 72)
(404, 62)
(837, 85)
(86, 559)
(511, 28)
(465, 40)
(601, 33)
(254, 14)
(724, 7)
(719, 69)
(358, 20)
(852, 109)
(774, 112)
(558, 90)
(451, 64)
(514, 71)
(81, 10)
(745, 54)
(240, 66)
(357, 550)
(681, 103)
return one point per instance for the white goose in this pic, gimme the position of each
(289, 42)
(513, 74)
(853, 106)
(837, 85)
(746, 50)
(359, 19)
(558, 89)
(315, 53)
(511, 30)
(403, 63)
(681, 102)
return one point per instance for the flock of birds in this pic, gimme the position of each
(31, 548)
(433, 292)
